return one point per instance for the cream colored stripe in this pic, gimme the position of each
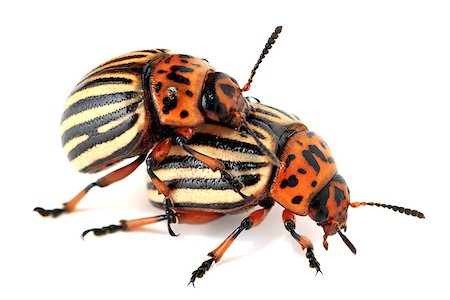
(186, 173)
(141, 60)
(222, 154)
(111, 74)
(93, 113)
(112, 124)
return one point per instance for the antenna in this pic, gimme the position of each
(265, 51)
(406, 211)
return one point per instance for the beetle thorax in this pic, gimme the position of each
(306, 167)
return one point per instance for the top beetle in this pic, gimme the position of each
(147, 100)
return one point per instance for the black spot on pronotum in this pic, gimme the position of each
(169, 103)
(310, 134)
(161, 71)
(174, 76)
(289, 159)
(297, 199)
(330, 160)
(311, 160)
(184, 56)
(339, 195)
(301, 171)
(227, 89)
(158, 86)
(184, 114)
(197, 65)
(299, 143)
(314, 183)
(323, 144)
(291, 182)
(189, 93)
(317, 152)
(184, 61)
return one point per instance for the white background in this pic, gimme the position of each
(371, 77)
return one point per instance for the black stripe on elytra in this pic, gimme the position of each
(311, 160)
(227, 89)
(179, 162)
(214, 141)
(339, 195)
(177, 77)
(103, 81)
(234, 206)
(314, 149)
(96, 101)
(283, 112)
(118, 155)
(265, 112)
(121, 59)
(103, 137)
(90, 127)
(207, 183)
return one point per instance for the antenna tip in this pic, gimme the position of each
(278, 29)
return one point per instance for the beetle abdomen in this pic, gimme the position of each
(105, 118)
(194, 186)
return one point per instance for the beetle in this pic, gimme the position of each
(141, 104)
(306, 183)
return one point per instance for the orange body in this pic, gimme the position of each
(306, 167)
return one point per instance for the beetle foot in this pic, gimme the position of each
(205, 266)
(313, 263)
(49, 212)
(171, 216)
(103, 230)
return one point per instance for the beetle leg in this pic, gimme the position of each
(106, 180)
(124, 225)
(212, 163)
(289, 224)
(128, 225)
(253, 220)
(158, 154)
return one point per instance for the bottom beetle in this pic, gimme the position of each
(305, 183)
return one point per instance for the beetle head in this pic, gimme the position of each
(222, 100)
(329, 209)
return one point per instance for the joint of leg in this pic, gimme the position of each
(289, 225)
(151, 162)
(246, 224)
(180, 140)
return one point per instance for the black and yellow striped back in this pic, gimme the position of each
(105, 118)
(196, 187)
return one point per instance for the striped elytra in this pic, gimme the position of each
(124, 106)
(208, 150)
(196, 187)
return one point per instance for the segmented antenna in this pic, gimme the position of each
(406, 211)
(265, 51)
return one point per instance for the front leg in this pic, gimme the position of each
(185, 134)
(289, 224)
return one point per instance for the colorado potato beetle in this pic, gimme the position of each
(306, 183)
(142, 103)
